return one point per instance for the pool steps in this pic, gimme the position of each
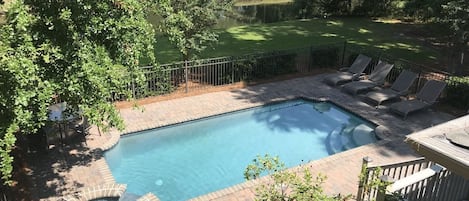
(347, 137)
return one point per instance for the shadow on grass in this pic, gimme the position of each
(390, 38)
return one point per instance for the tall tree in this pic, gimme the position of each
(80, 51)
(456, 16)
(425, 9)
(188, 24)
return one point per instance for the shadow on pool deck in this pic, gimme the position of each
(63, 170)
(312, 87)
(58, 173)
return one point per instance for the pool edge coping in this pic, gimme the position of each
(252, 183)
(255, 105)
(115, 137)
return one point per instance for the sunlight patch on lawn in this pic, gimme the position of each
(329, 35)
(335, 23)
(387, 21)
(364, 31)
(403, 46)
(358, 42)
(305, 20)
(241, 33)
(300, 32)
(250, 36)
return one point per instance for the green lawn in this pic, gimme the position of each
(389, 36)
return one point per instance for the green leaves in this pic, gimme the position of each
(457, 16)
(188, 24)
(285, 184)
(85, 52)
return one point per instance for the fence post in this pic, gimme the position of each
(387, 180)
(419, 80)
(343, 53)
(134, 92)
(361, 184)
(233, 66)
(185, 76)
(310, 63)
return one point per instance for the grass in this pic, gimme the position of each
(388, 36)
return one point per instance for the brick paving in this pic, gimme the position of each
(78, 167)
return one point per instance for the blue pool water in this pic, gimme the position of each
(191, 159)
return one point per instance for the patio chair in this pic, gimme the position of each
(351, 73)
(376, 78)
(425, 98)
(399, 88)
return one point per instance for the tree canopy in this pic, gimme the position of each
(456, 14)
(81, 51)
(188, 24)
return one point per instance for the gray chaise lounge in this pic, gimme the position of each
(355, 70)
(399, 88)
(425, 98)
(376, 78)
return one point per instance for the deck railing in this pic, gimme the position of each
(413, 180)
(372, 173)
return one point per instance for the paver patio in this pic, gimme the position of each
(82, 165)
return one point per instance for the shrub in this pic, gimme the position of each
(286, 185)
(457, 92)
(324, 58)
(273, 64)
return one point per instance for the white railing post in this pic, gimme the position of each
(382, 189)
(364, 174)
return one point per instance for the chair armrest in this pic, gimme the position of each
(405, 94)
(358, 76)
(344, 69)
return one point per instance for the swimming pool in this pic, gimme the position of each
(191, 159)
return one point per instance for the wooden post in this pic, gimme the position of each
(365, 161)
(382, 190)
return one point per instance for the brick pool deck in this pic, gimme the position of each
(77, 168)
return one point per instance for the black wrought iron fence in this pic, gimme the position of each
(456, 92)
(197, 75)
(188, 76)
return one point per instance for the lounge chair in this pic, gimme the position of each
(355, 70)
(399, 88)
(376, 78)
(425, 98)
